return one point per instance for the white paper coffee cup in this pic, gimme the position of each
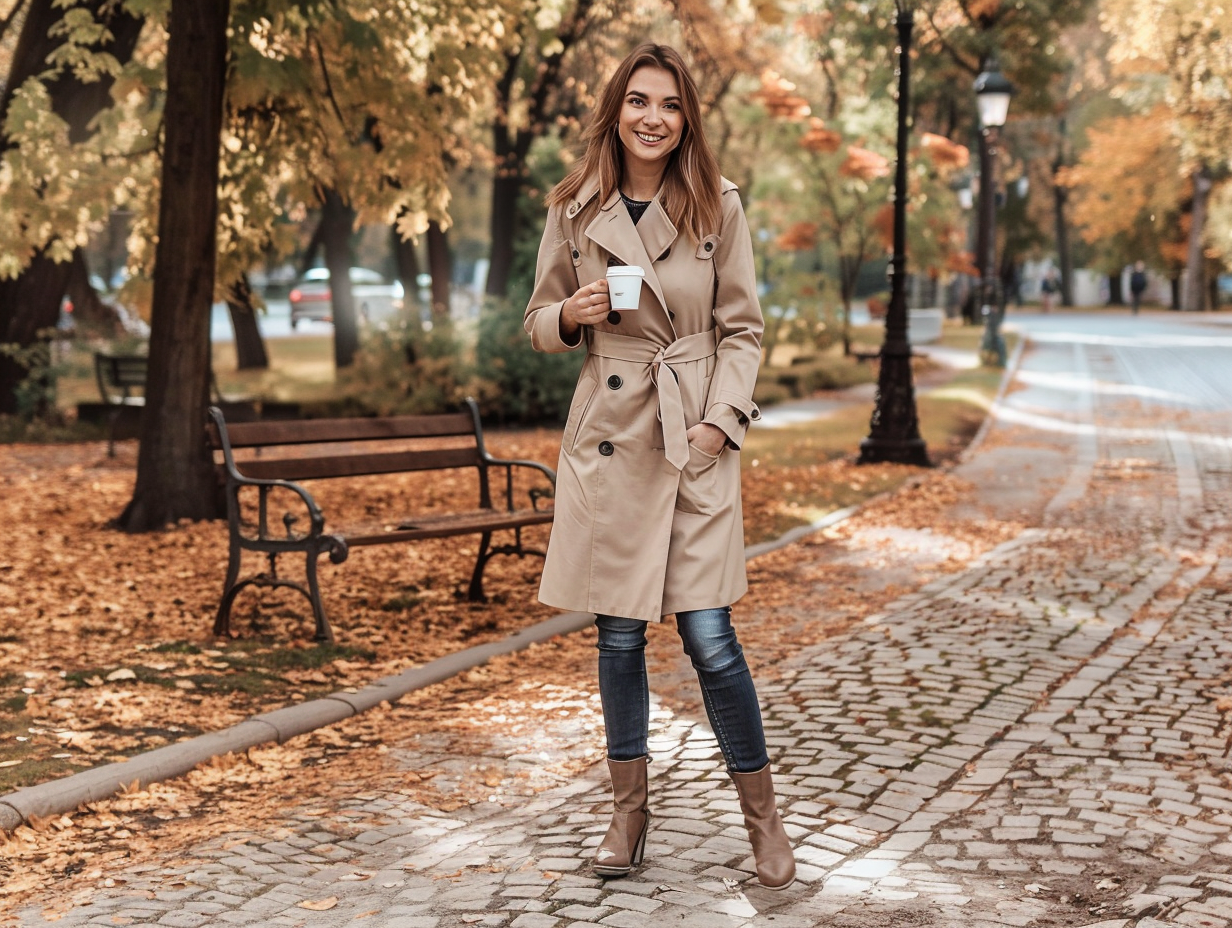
(624, 286)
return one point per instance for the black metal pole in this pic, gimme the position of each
(894, 432)
(992, 348)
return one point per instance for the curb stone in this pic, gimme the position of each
(57, 797)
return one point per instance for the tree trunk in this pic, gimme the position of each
(440, 266)
(1193, 291)
(406, 260)
(1116, 294)
(337, 221)
(29, 304)
(250, 353)
(848, 272)
(31, 301)
(175, 473)
(506, 182)
(510, 177)
(1174, 286)
(1060, 196)
(308, 259)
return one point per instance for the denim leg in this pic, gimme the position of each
(727, 686)
(623, 689)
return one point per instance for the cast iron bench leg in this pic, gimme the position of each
(475, 592)
(323, 632)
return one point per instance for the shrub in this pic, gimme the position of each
(768, 393)
(404, 371)
(527, 386)
(805, 376)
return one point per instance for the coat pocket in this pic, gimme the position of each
(699, 491)
(582, 398)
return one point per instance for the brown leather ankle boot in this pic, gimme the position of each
(776, 867)
(625, 840)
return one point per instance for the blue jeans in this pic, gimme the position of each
(726, 684)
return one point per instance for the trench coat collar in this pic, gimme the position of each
(641, 244)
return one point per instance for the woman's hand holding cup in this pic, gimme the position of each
(588, 306)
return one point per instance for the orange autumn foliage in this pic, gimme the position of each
(944, 153)
(1131, 168)
(864, 164)
(777, 95)
(820, 139)
(799, 236)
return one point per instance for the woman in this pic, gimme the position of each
(648, 519)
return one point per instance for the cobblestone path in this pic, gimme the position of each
(1040, 740)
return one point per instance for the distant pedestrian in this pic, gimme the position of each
(1137, 285)
(1048, 290)
(648, 520)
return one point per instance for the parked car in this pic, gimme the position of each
(376, 300)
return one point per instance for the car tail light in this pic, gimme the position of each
(295, 296)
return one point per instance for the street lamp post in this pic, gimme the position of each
(894, 432)
(992, 94)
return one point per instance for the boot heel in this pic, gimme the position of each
(640, 849)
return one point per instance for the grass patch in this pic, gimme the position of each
(176, 647)
(301, 370)
(32, 770)
(287, 658)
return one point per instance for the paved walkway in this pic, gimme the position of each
(1040, 740)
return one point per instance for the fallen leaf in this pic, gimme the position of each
(123, 673)
(319, 905)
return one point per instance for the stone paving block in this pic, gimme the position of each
(535, 920)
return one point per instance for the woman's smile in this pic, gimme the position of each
(651, 122)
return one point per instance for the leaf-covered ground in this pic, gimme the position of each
(108, 649)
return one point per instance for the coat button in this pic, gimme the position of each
(709, 246)
(606, 449)
(742, 419)
(614, 382)
(613, 317)
(756, 413)
(671, 315)
(663, 257)
(576, 254)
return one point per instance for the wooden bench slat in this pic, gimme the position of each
(358, 465)
(449, 524)
(317, 431)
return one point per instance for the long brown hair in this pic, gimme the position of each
(691, 181)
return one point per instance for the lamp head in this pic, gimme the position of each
(992, 93)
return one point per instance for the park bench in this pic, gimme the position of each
(121, 384)
(277, 456)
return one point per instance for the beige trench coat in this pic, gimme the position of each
(646, 525)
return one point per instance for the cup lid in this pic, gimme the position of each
(627, 270)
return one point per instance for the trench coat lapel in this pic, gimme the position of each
(638, 244)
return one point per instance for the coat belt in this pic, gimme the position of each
(671, 406)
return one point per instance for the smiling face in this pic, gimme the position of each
(651, 118)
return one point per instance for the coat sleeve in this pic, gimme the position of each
(555, 281)
(737, 316)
